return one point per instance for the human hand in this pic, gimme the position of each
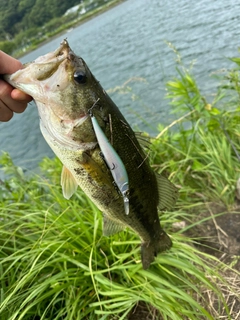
(11, 100)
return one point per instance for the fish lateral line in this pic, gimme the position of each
(112, 159)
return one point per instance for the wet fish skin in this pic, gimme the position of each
(64, 90)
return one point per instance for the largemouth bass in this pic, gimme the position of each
(98, 149)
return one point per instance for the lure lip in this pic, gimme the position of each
(126, 204)
(124, 188)
(125, 192)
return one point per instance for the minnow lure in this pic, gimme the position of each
(113, 161)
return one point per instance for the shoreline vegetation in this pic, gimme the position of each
(55, 263)
(51, 30)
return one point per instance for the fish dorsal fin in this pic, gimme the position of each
(168, 193)
(111, 227)
(68, 183)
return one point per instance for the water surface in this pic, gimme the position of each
(129, 41)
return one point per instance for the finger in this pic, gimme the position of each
(8, 64)
(11, 104)
(15, 106)
(5, 113)
(19, 107)
(21, 96)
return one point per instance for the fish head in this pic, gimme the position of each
(64, 90)
(59, 80)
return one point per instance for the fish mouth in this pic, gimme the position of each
(41, 69)
(57, 56)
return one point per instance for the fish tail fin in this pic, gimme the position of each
(150, 249)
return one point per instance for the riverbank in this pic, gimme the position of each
(63, 28)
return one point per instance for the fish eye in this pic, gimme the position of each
(80, 77)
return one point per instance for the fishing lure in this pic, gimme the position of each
(113, 161)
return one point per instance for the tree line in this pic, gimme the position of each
(21, 15)
(25, 23)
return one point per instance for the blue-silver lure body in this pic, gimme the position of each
(113, 162)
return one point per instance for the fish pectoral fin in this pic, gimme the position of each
(168, 193)
(111, 227)
(68, 183)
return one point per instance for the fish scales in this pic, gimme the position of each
(65, 91)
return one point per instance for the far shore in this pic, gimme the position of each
(86, 17)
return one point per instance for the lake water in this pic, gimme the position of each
(129, 41)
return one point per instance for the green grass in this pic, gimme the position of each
(55, 263)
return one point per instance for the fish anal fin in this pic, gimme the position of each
(111, 227)
(168, 193)
(68, 183)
